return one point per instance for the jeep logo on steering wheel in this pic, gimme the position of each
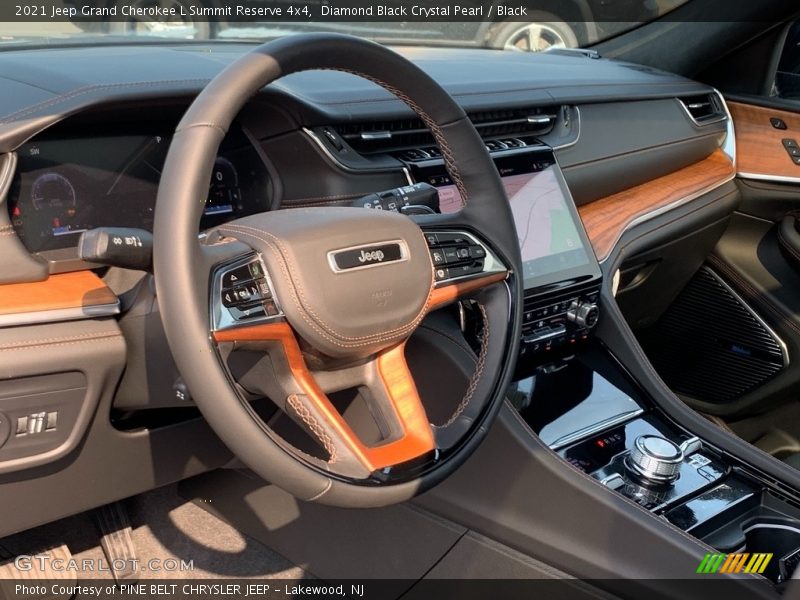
(371, 255)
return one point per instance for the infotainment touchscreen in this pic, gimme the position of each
(553, 243)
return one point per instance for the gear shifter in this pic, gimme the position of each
(655, 459)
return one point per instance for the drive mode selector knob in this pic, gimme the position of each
(655, 458)
(583, 314)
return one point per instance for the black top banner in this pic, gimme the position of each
(388, 11)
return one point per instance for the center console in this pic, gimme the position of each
(590, 412)
(583, 403)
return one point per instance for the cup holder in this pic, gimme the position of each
(778, 536)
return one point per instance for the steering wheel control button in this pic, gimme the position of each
(451, 255)
(235, 277)
(477, 252)
(654, 458)
(263, 289)
(456, 255)
(244, 294)
(228, 299)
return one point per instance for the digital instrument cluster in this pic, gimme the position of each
(67, 185)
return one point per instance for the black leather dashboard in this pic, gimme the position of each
(615, 125)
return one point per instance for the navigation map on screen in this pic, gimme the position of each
(548, 236)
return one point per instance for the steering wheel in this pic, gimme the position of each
(332, 294)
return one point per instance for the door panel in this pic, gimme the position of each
(760, 148)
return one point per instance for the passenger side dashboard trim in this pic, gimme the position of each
(607, 219)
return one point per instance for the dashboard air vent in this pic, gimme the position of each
(703, 109)
(502, 128)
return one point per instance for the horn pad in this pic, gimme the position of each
(350, 281)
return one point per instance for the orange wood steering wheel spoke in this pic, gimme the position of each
(392, 393)
(447, 293)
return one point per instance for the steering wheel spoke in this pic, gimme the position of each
(384, 383)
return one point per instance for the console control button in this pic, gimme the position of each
(692, 445)
(613, 481)
(583, 314)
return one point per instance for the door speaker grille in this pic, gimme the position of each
(709, 345)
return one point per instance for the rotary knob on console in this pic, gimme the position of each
(655, 459)
(583, 314)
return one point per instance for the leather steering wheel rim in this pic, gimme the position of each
(182, 264)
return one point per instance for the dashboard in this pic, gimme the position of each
(83, 137)
(66, 184)
(90, 149)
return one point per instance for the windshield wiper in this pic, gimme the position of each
(587, 52)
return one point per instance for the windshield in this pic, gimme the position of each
(530, 25)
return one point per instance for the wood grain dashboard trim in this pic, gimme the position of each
(607, 219)
(79, 294)
(760, 153)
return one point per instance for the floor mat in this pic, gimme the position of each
(174, 539)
